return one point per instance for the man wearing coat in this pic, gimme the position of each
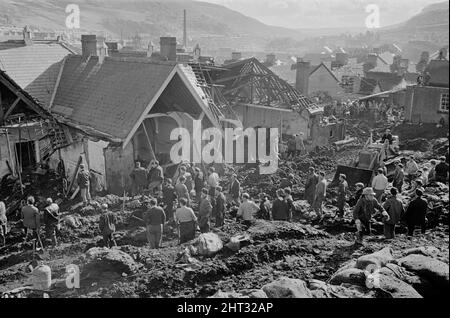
(204, 214)
(394, 208)
(416, 212)
(310, 186)
(363, 212)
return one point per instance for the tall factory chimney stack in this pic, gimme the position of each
(184, 29)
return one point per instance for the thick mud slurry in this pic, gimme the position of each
(276, 249)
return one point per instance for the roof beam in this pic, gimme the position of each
(9, 111)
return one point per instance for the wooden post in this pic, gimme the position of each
(80, 159)
(152, 153)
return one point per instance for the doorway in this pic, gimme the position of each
(26, 154)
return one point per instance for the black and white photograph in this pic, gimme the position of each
(224, 155)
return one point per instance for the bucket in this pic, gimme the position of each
(42, 277)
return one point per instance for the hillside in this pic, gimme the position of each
(431, 24)
(155, 18)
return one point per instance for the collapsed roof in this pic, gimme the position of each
(249, 81)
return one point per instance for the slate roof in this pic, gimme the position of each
(438, 70)
(34, 67)
(315, 68)
(111, 96)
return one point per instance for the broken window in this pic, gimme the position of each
(444, 103)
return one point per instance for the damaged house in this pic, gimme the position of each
(262, 99)
(121, 110)
(29, 134)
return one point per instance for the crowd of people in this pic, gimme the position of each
(194, 202)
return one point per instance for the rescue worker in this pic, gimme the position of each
(213, 180)
(287, 182)
(139, 179)
(199, 183)
(299, 144)
(319, 196)
(265, 207)
(280, 207)
(3, 223)
(234, 189)
(154, 220)
(155, 177)
(379, 184)
(416, 213)
(169, 198)
(187, 222)
(358, 193)
(363, 212)
(31, 219)
(310, 185)
(205, 211)
(342, 194)
(290, 202)
(395, 210)
(51, 220)
(220, 206)
(247, 210)
(187, 177)
(107, 226)
(182, 191)
(411, 170)
(399, 176)
(83, 178)
(441, 170)
(432, 173)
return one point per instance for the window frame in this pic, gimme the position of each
(441, 100)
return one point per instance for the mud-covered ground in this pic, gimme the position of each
(302, 249)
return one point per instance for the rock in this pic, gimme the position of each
(375, 260)
(435, 271)
(287, 288)
(209, 244)
(423, 250)
(255, 293)
(100, 259)
(396, 287)
(221, 294)
(71, 221)
(236, 242)
(354, 276)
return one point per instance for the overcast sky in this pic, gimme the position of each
(329, 13)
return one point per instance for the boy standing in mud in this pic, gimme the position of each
(107, 226)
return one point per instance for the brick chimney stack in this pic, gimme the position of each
(168, 48)
(302, 76)
(89, 45)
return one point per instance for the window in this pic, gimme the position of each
(444, 103)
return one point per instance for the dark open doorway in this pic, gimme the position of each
(26, 154)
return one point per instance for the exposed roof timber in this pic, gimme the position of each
(8, 82)
(149, 107)
(11, 108)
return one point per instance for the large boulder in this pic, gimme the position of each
(353, 276)
(435, 271)
(396, 287)
(255, 293)
(209, 244)
(221, 294)
(375, 260)
(287, 288)
(238, 241)
(423, 250)
(101, 259)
